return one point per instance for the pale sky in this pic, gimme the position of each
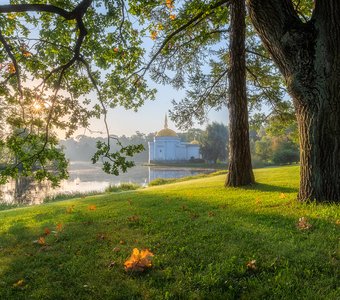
(150, 117)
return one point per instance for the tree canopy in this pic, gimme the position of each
(62, 63)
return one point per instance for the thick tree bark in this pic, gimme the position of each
(308, 55)
(240, 169)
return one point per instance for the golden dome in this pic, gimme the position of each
(166, 132)
(195, 142)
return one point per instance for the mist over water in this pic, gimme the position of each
(85, 178)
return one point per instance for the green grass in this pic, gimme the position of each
(202, 236)
(122, 187)
(161, 181)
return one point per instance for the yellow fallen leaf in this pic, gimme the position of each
(303, 224)
(19, 283)
(41, 241)
(282, 196)
(139, 261)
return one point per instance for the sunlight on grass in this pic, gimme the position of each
(207, 242)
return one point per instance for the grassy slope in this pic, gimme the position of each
(202, 236)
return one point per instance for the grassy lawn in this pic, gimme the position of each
(202, 236)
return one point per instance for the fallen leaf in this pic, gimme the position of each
(41, 241)
(133, 219)
(282, 196)
(59, 227)
(337, 222)
(139, 261)
(122, 242)
(251, 265)
(19, 283)
(116, 249)
(92, 207)
(303, 224)
(111, 264)
(47, 231)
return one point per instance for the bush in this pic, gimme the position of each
(286, 156)
(122, 187)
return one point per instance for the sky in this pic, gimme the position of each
(150, 117)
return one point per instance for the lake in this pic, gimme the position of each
(86, 178)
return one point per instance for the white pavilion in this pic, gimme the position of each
(167, 147)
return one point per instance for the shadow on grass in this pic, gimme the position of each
(201, 250)
(263, 187)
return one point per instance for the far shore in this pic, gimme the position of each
(218, 166)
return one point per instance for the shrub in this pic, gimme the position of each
(126, 186)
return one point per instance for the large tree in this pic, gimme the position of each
(240, 169)
(307, 52)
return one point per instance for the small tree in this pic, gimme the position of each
(214, 142)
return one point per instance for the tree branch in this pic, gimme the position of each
(182, 28)
(14, 61)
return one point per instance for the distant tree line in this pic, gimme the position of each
(275, 143)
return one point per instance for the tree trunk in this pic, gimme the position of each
(240, 169)
(308, 55)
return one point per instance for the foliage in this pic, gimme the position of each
(191, 52)
(277, 145)
(53, 58)
(286, 152)
(202, 236)
(214, 142)
(263, 148)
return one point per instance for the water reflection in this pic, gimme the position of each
(85, 178)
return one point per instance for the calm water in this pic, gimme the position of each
(84, 178)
